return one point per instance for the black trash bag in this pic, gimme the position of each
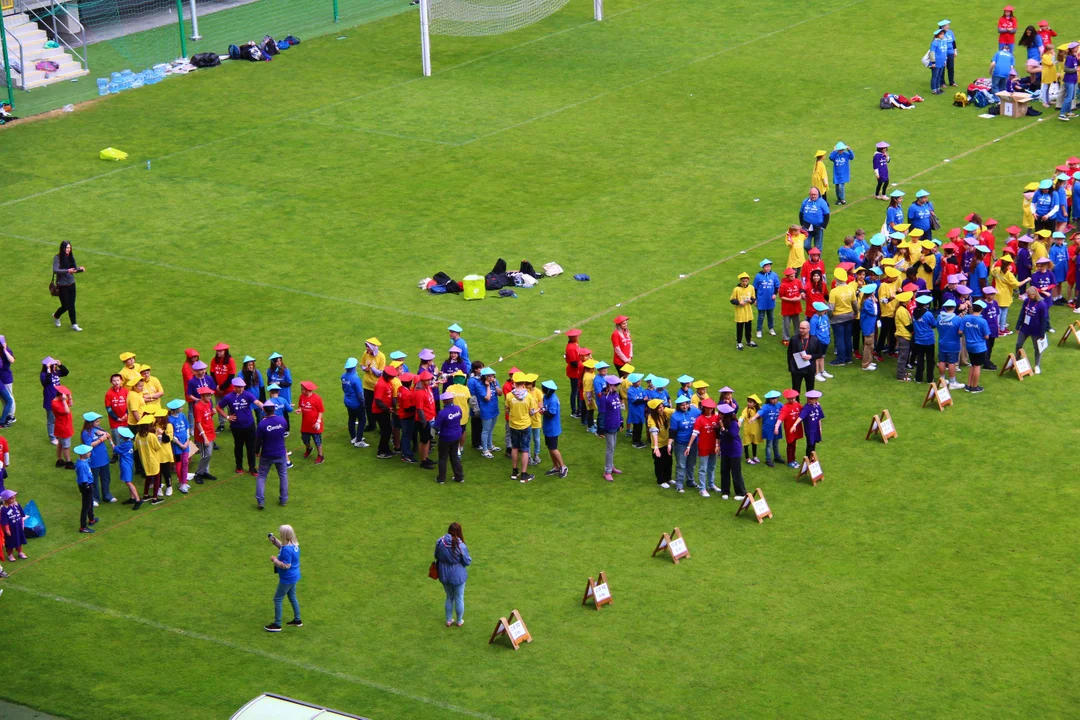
(447, 282)
(205, 60)
(527, 269)
(500, 267)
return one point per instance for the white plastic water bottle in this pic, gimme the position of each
(147, 164)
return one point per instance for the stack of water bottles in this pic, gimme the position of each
(127, 80)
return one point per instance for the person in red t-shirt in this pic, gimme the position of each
(406, 413)
(382, 407)
(223, 370)
(705, 427)
(191, 356)
(424, 408)
(573, 367)
(1007, 25)
(1047, 34)
(814, 263)
(621, 343)
(5, 458)
(791, 295)
(789, 414)
(310, 409)
(65, 429)
(814, 291)
(202, 431)
(116, 409)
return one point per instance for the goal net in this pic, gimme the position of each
(483, 17)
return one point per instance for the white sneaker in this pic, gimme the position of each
(1076, 311)
(1038, 370)
(759, 333)
(487, 454)
(826, 373)
(1053, 330)
(95, 503)
(665, 485)
(56, 321)
(870, 367)
(819, 377)
(739, 497)
(723, 497)
(953, 385)
(184, 488)
(704, 493)
(168, 491)
(160, 492)
(76, 328)
(112, 500)
(772, 332)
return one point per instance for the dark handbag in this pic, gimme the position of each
(54, 289)
(935, 224)
(433, 571)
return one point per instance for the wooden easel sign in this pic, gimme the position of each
(938, 393)
(600, 592)
(883, 426)
(514, 628)
(1073, 331)
(756, 502)
(1018, 363)
(674, 544)
(811, 468)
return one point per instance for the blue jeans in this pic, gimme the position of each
(487, 432)
(9, 404)
(283, 589)
(763, 314)
(937, 78)
(1070, 94)
(535, 434)
(102, 477)
(684, 464)
(842, 331)
(815, 238)
(1002, 46)
(840, 196)
(455, 600)
(283, 479)
(997, 84)
(706, 472)
(772, 450)
(1003, 318)
(50, 424)
(408, 427)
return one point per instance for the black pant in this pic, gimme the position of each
(740, 328)
(950, 68)
(635, 433)
(477, 428)
(356, 422)
(383, 420)
(797, 381)
(369, 403)
(1044, 225)
(881, 187)
(448, 450)
(662, 465)
(731, 469)
(989, 350)
(67, 303)
(575, 383)
(923, 360)
(810, 447)
(244, 438)
(886, 337)
(87, 512)
(750, 447)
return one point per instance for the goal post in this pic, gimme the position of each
(483, 17)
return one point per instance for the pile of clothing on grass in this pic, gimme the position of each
(892, 101)
(255, 51)
(980, 93)
(499, 278)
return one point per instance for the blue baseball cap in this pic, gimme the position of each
(765, 262)
(897, 193)
(83, 449)
(683, 379)
(125, 433)
(660, 382)
(398, 355)
(91, 416)
(351, 363)
(454, 328)
(549, 385)
(487, 371)
(682, 399)
(601, 365)
(772, 394)
(820, 306)
(274, 356)
(273, 386)
(922, 194)
(175, 404)
(868, 289)
(924, 299)
(634, 377)
(877, 240)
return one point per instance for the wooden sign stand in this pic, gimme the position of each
(759, 506)
(883, 426)
(811, 468)
(674, 544)
(1018, 363)
(514, 628)
(939, 393)
(598, 591)
(1072, 331)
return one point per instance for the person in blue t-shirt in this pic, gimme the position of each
(681, 430)
(841, 157)
(1000, 67)
(868, 320)
(976, 333)
(287, 566)
(770, 413)
(551, 426)
(352, 388)
(950, 61)
(84, 477)
(125, 451)
(923, 323)
(814, 218)
(766, 286)
(939, 54)
(820, 336)
(948, 327)
(920, 213)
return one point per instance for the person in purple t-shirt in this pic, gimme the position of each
(270, 445)
(449, 429)
(609, 405)
(241, 406)
(731, 451)
(881, 170)
(811, 417)
(1069, 78)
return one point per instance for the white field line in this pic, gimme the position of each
(273, 657)
(369, 93)
(255, 283)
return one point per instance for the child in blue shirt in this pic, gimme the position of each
(179, 441)
(841, 157)
(868, 319)
(766, 286)
(125, 452)
(1000, 66)
(84, 477)
(769, 414)
(939, 53)
(636, 399)
(976, 332)
(274, 394)
(819, 332)
(948, 327)
(551, 424)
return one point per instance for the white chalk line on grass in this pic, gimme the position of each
(255, 283)
(274, 657)
(659, 74)
(714, 263)
(369, 93)
(370, 131)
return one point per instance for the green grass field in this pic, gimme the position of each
(293, 207)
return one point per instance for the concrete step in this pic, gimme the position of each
(37, 78)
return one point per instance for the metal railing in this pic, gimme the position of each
(46, 16)
(22, 58)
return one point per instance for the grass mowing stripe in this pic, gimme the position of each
(256, 283)
(383, 133)
(774, 238)
(117, 615)
(662, 73)
(77, 183)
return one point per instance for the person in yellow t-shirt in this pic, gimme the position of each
(372, 363)
(842, 302)
(588, 395)
(537, 419)
(148, 446)
(164, 432)
(1029, 213)
(130, 371)
(136, 404)
(926, 263)
(796, 254)
(1039, 248)
(819, 178)
(658, 422)
(521, 406)
(886, 341)
(750, 429)
(902, 317)
(1006, 284)
(152, 389)
(743, 298)
(701, 392)
(1049, 75)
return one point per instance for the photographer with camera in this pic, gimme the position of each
(287, 567)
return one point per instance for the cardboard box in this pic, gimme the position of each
(1014, 105)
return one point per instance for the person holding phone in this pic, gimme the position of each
(64, 270)
(287, 568)
(453, 560)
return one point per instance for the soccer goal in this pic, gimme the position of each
(480, 17)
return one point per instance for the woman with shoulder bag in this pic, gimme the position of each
(452, 560)
(64, 269)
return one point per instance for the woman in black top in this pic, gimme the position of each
(64, 268)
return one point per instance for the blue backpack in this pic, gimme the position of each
(35, 526)
(234, 52)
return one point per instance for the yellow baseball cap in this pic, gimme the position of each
(627, 368)
(743, 275)
(590, 363)
(532, 377)
(904, 296)
(840, 274)
(903, 227)
(698, 384)
(374, 341)
(892, 272)
(888, 262)
(125, 356)
(1044, 233)
(519, 377)
(916, 233)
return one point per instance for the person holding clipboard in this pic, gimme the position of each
(800, 361)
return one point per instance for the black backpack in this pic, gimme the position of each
(207, 60)
(269, 46)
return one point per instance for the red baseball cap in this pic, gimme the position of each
(573, 332)
(708, 402)
(221, 346)
(790, 272)
(584, 351)
(954, 233)
(390, 370)
(191, 352)
(204, 391)
(990, 222)
(1013, 230)
(621, 319)
(424, 376)
(791, 394)
(406, 377)
(308, 385)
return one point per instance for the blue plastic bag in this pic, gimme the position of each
(35, 525)
(582, 277)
